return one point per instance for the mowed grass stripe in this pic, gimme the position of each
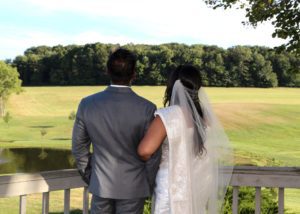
(58, 101)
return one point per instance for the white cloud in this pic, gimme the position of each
(111, 8)
(15, 44)
(153, 22)
(93, 36)
(195, 23)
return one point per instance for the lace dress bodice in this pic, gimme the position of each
(161, 204)
(162, 190)
(172, 193)
(164, 163)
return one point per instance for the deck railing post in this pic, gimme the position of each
(85, 200)
(67, 201)
(257, 200)
(235, 200)
(281, 200)
(45, 204)
(22, 205)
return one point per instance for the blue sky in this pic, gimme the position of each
(27, 23)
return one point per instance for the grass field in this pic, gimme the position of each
(262, 124)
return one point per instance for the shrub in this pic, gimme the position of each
(7, 117)
(72, 115)
(247, 201)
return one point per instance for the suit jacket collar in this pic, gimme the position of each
(119, 89)
(120, 86)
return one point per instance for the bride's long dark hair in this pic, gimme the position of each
(190, 77)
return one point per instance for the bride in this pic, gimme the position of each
(190, 179)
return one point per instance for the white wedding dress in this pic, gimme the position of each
(171, 120)
(186, 182)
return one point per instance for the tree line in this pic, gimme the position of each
(243, 66)
(9, 83)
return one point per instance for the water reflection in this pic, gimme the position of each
(29, 160)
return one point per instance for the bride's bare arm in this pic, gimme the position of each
(153, 139)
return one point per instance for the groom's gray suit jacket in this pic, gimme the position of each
(114, 122)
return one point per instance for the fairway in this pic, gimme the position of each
(262, 124)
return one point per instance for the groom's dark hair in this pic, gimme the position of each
(121, 66)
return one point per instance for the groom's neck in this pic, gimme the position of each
(120, 83)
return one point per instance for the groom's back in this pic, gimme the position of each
(116, 120)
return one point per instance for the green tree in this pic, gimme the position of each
(284, 16)
(9, 83)
(7, 117)
(22, 65)
(72, 115)
(238, 61)
(261, 71)
(43, 155)
(287, 68)
(43, 132)
(213, 67)
(34, 65)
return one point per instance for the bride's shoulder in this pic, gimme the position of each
(169, 109)
(170, 112)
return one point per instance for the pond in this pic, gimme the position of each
(30, 160)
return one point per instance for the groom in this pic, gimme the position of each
(114, 122)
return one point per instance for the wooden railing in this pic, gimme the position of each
(258, 177)
(44, 182)
(24, 184)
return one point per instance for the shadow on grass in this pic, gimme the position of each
(41, 127)
(77, 211)
(60, 138)
(6, 141)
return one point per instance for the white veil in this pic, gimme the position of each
(206, 183)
